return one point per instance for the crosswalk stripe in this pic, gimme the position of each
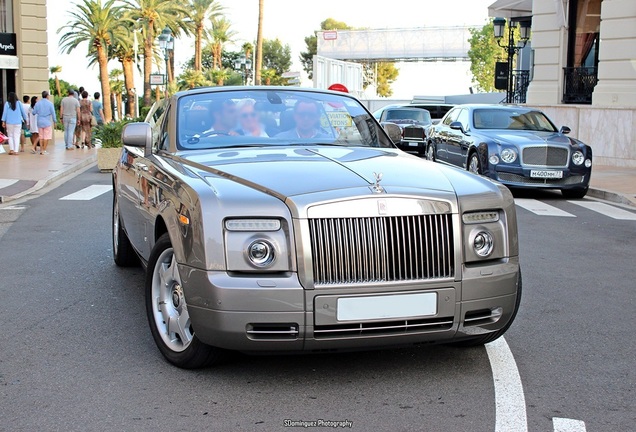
(6, 183)
(541, 208)
(607, 210)
(88, 193)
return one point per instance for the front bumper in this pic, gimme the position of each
(277, 314)
(412, 145)
(519, 177)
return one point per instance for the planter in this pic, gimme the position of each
(107, 158)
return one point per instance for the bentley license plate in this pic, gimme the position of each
(387, 306)
(546, 174)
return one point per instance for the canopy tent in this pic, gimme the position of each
(510, 8)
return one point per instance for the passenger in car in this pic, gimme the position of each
(225, 118)
(249, 120)
(306, 117)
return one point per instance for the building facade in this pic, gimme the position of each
(24, 66)
(583, 71)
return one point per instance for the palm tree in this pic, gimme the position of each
(191, 78)
(100, 25)
(221, 34)
(54, 71)
(152, 16)
(200, 11)
(248, 49)
(259, 44)
(268, 75)
(117, 87)
(218, 76)
(127, 54)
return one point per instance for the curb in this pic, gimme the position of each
(614, 197)
(52, 178)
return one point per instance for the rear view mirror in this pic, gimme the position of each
(393, 131)
(457, 126)
(565, 130)
(137, 135)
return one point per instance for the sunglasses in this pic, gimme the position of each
(249, 115)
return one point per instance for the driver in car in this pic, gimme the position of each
(225, 118)
(307, 119)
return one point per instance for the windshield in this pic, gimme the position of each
(266, 117)
(511, 119)
(415, 115)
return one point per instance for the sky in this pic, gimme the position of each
(292, 20)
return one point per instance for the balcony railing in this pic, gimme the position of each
(578, 84)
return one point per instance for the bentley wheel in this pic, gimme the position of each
(482, 340)
(430, 152)
(574, 193)
(168, 312)
(474, 165)
(123, 252)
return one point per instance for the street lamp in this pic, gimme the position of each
(511, 48)
(166, 43)
(243, 65)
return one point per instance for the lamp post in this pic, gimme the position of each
(243, 65)
(166, 43)
(499, 25)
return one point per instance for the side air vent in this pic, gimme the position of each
(482, 317)
(383, 327)
(272, 331)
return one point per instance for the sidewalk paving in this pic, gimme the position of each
(26, 173)
(21, 175)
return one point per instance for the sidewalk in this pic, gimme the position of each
(26, 173)
(614, 184)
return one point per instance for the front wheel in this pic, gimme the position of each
(574, 193)
(474, 164)
(123, 252)
(430, 152)
(168, 315)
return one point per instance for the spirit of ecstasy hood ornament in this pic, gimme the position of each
(376, 187)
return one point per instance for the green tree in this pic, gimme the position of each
(127, 54)
(307, 57)
(276, 58)
(191, 78)
(100, 25)
(117, 87)
(54, 71)
(483, 54)
(153, 16)
(221, 34)
(387, 73)
(200, 12)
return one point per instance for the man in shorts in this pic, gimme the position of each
(45, 110)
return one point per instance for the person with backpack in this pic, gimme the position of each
(12, 117)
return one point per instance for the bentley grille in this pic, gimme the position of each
(545, 156)
(382, 249)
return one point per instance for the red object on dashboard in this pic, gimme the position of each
(338, 87)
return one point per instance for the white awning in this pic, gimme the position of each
(510, 8)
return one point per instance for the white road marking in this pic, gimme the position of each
(607, 210)
(568, 425)
(14, 207)
(88, 193)
(7, 182)
(510, 402)
(541, 208)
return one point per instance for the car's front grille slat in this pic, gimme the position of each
(516, 178)
(381, 249)
(549, 156)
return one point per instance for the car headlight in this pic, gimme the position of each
(261, 253)
(578, 158)
(588, 163)
(508, 155)
(483, 243)
(480, 217)
(494, 160)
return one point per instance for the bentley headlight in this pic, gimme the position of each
(578, 158)
(261, 253)
(508, 155)
(483, 243)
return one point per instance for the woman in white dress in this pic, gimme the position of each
(33, 126)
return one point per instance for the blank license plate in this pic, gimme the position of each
(546, 174)
(413, 144)
(389, 306)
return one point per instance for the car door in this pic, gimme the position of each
(458, 140)
(443, 135)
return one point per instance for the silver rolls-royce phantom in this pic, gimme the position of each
(278, 219)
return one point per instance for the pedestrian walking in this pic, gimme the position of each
(86, 120)
(33, 125)
(98, 109)
(45, 110)
(12, 117)
(78, 139)
(25, 105)
(70, 113)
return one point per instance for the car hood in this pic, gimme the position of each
(522, 138)
(291, 171)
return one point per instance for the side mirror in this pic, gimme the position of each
(457, 126)
(137, 135)
(565, 130)
(393, 131)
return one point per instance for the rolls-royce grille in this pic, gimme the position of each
(381, 249)
(414, 133)
(545, 156)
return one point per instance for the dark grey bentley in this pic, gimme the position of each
(277, 219)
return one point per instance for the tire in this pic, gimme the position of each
(574, 193)
(168, 315)
(474, 164)
(430, 152)
(123, 252)
(482, 340)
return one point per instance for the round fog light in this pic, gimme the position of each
(578, 158)
(261, 253)
(588, 163)
(483, 243)
(494, 160)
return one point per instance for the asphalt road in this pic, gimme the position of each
(76, 352)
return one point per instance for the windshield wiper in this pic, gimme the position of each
(319, 144)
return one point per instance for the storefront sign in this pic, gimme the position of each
(8, 44)
(157, 79)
